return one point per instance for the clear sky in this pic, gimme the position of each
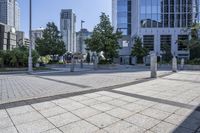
(49, 10)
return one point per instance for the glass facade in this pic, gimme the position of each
(124, 16)
(165, 40)
(169, 13)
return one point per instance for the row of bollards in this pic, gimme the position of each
(154, 65)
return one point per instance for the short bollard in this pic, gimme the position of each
(153, 65)
(182, 63)
(174, 64)
(72, 65)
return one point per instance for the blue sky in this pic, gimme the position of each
(49, 10)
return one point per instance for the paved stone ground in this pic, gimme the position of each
(166, 105)
(22, 86)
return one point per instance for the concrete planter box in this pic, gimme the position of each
(191, 67)
(106, 66)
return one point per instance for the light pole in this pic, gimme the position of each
(81, 40)
(30, 65)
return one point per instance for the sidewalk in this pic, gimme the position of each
(165, 105)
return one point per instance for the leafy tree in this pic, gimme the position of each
(104, 39)
(167, 54)
(51, 43)
(194, 43)
(138, 50)
(88, 57)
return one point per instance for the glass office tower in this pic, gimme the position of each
(160, 22)
(122, 15)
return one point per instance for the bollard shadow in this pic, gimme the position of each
(191, 124)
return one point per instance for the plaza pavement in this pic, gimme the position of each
(17, 87)
(169, 104)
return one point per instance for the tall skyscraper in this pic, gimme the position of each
(159, 22)
(67, 27)
(10, 13)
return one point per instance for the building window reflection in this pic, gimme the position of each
(169, 13)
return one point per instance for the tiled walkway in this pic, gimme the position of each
(165, 105)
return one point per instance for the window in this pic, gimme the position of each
(181, 45)
(148, 42)
(165, 41)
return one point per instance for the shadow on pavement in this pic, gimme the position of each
(191, 124)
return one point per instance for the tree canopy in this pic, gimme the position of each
(51, 43)
(138, 50)
(104, 38)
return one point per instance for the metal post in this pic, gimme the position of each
(30, 65)
(81, 42)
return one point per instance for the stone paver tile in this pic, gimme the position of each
(104, 98)
(188, 112)
(63, 119)
(102, 120)
(155, 113)
(27, 117)
(110, 94)
(103, 107)
(90, 102)
(134, 107)
(52, 111)
(86, 112)
(148, 131)
(117, 102)
(164, 127)
(35, 126)
(52, 131)
(142, 121)
(145, 103)
(165, 107)
(8, 130)
(182, 121)
(79, 98)
(44, 105)
(100, 131)
(63, 101)
(118, 127)
(3, 114)
(92, 95)
(73, 106)
(120, 113)
(5, 122)
(20, 110)
(79, 127)
(129, 99)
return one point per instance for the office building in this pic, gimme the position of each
(160, 22)
(10, 13)
(81, 36)
(7, 37)
(36, 34)
(67, 28)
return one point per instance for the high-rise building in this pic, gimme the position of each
(67, 28)
(10, 13)
(81, 36)
(160, 22)
(36, 34)
(7, 37)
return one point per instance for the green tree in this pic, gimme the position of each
(51, 43)
(167, 54)
(194, 43)
(104, 39)
(138, 50)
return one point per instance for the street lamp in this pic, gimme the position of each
(30, 65)
(81, 40)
